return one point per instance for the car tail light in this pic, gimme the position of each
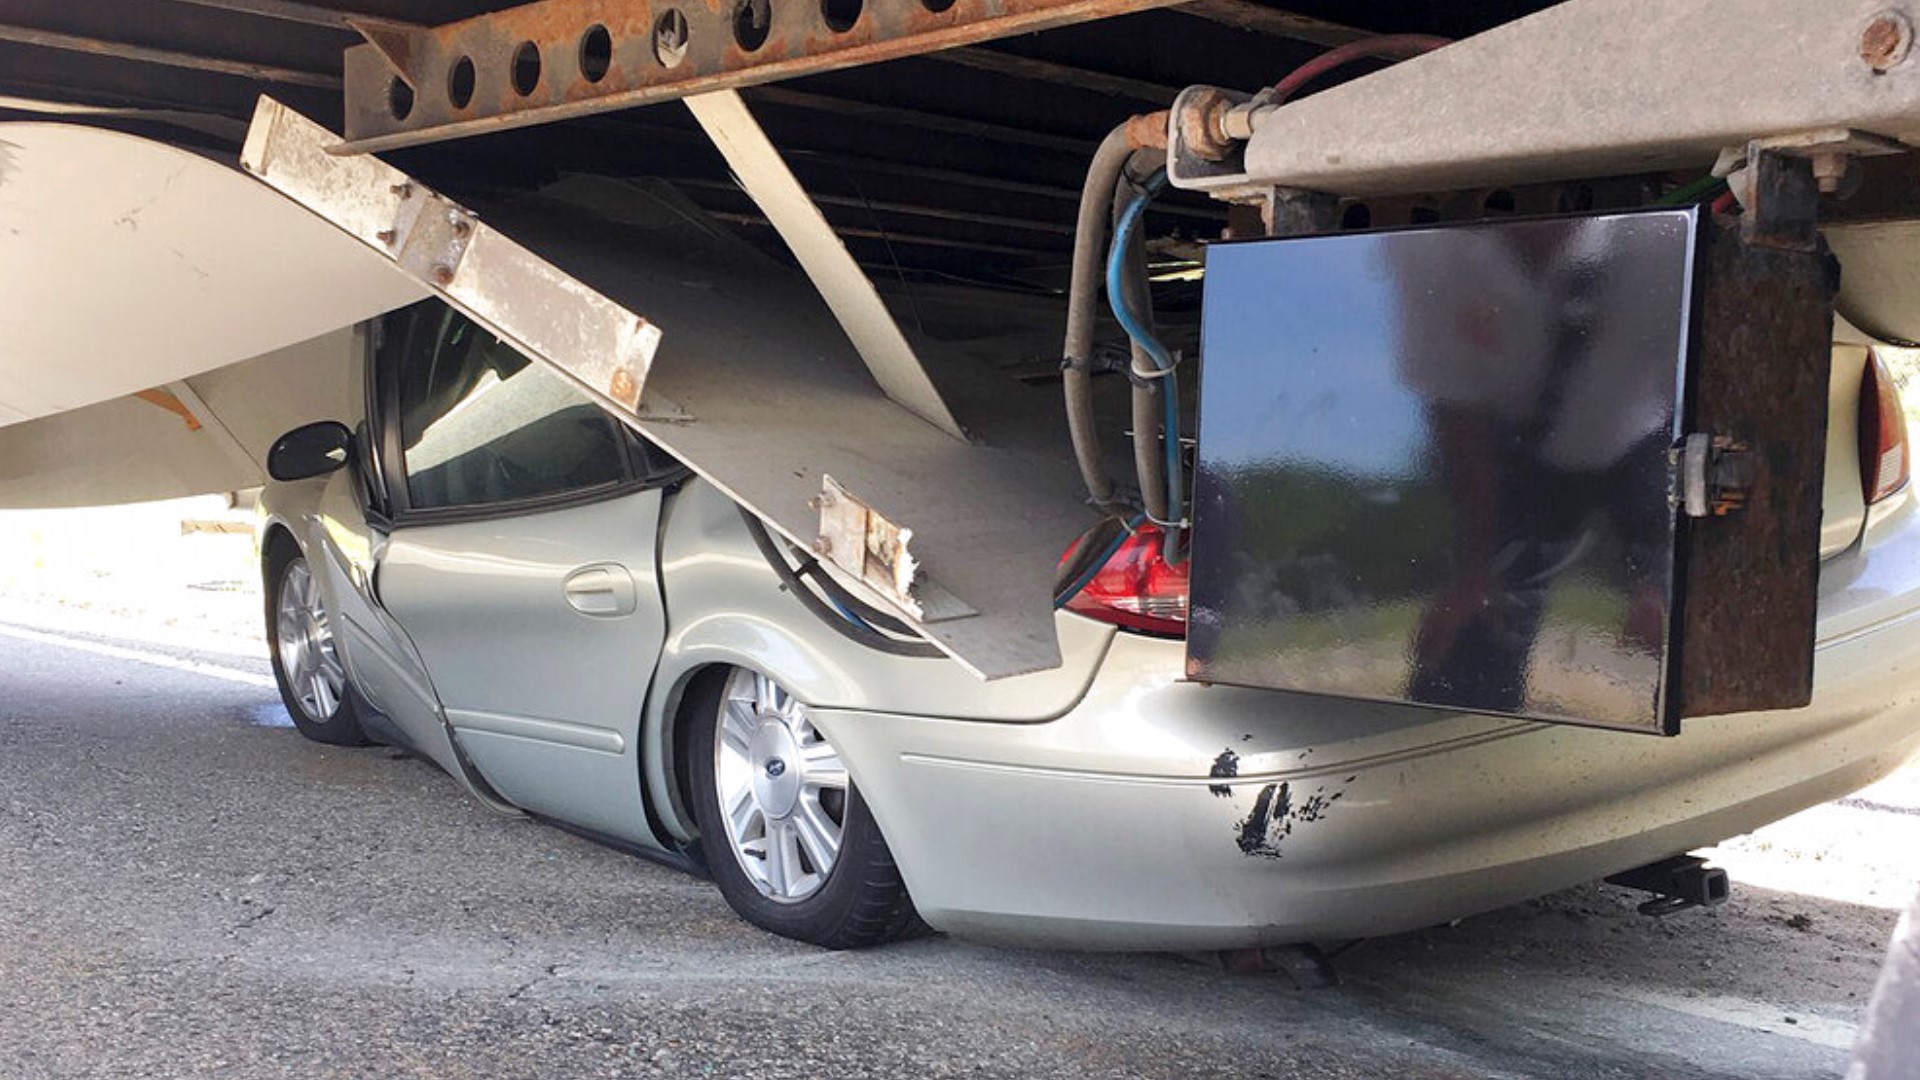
(1134, 587)
(1884, 465)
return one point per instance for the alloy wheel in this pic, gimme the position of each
(782, 789)
(304, 634)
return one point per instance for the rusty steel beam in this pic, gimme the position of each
(120, 50)
(558, 59)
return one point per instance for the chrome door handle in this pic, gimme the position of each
(603, 590)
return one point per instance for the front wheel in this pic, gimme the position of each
(787, 837)
(306, 661)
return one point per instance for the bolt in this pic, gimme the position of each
(1199, 122)
(443, 274)
(822, 546)
(461, 227)
(1829, 170)
(403, 190)
(820, 502)
(623, 388)
(386, 236)
(1885, 42)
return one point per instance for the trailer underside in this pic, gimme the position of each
(962, 166)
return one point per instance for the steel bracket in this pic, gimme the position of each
(1199, 157)
(1781, 180)
(431, 234)
(1783, 203)
(1293, 212)
(1715, 475)
(431, 238)
(396, 42)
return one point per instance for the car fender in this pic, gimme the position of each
(726, 606)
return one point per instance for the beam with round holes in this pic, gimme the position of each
(557, 59)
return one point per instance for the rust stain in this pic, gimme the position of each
(166, 400)
(623, 388)
(1884, 43)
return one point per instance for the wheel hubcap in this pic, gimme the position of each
(304, 635)
(783, 789)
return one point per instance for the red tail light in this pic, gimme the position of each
(1136, 588)
(1884, 465)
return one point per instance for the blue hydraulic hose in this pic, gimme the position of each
(848, 615)
(1162, 359)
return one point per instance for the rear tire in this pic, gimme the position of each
(787, 837)
(313, 680)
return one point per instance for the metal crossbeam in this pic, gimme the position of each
(558, 59)
(1592, 88)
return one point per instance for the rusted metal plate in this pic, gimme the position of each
(441, 245)
(557, 59)
(1763, 345)
(861, 541)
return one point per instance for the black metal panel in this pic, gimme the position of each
(1434, 465)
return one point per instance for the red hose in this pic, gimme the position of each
(1384, 47)
(1725, 203)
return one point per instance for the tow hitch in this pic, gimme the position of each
(1679, 883)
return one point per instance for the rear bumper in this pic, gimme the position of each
(1104, 828)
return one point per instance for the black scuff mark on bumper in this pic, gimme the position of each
(1270, 809)
(1275, 814)
(1225, 767)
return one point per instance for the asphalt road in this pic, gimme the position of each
(187, 890)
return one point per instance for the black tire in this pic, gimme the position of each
(862, 901)
(339, 725)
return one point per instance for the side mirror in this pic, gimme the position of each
(310, 450)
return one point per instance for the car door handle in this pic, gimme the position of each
(604, 590)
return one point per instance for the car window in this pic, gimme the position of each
(480, 424)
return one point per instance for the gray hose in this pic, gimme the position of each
(1083, 296)
(1148, 460)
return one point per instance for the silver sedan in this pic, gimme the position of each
(489, 570)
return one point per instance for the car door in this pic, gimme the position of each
(522, 565)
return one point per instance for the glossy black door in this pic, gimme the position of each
(1434, 465)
